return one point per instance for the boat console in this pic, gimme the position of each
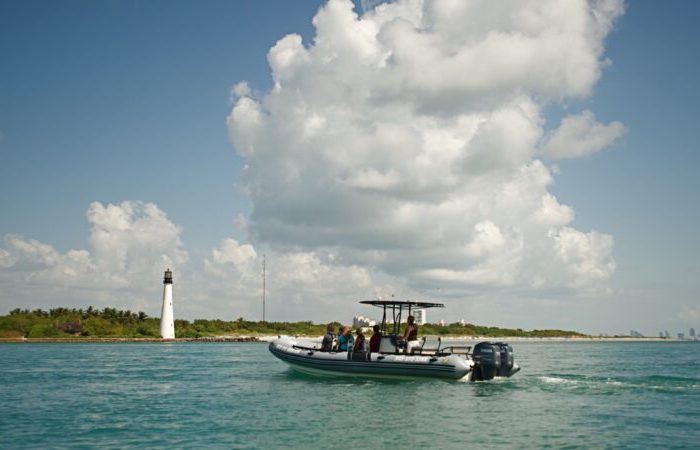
(387, 344)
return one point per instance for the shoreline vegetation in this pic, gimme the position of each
(112, 325)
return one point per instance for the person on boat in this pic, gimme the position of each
(327, 343)
(374, 340)
(344, 339)
(410, 336)
(360, 342)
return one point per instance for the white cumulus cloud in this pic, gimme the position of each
(406, 141)
(581, 135)
(398, 152)
(131, 243)
(293, 279)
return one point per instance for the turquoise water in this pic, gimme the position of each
(237, 395)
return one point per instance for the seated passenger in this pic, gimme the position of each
(344, 339)
(374, 340)
(327, 343)
(360, 342)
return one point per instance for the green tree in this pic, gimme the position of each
(41, 330)
(100, 327)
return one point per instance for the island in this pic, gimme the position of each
(91, 324)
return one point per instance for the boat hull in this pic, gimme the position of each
(379, 365)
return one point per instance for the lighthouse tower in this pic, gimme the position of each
(167, 324)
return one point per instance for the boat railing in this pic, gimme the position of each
(311, 349)
(457, 350)
(440, 350)
(421, 350)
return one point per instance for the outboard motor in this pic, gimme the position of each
(507, 360)
(487, 361)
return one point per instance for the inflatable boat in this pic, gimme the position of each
(485, 361)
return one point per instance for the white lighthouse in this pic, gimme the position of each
(167, 323)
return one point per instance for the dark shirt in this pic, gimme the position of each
(412, 333)
(359, 344)
(327, 343)
(374, 342)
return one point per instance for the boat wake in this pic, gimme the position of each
(608, 385)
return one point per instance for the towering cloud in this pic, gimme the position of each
(408, 140)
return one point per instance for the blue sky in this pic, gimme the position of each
(128, 101)
(117, 100)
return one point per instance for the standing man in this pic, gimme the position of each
(327, 343)
(375, 339)
(410, 336)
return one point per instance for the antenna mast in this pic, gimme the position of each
(263, 293)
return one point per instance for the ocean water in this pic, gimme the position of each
(237, 395)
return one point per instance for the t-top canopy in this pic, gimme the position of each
(396, 308)
(402, 304)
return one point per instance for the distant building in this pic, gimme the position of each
(419, 315)
(363, 322)
(635, 333)
(667, 335)
(661, 334)
(681, 336)
(71, 328)
(441, 323)
(691, 333)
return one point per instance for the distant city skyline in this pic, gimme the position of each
(529, 164)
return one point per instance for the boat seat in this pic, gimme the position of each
(418, 349)
(359, 356)
(424, 351)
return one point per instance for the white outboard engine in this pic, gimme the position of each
(487, 361)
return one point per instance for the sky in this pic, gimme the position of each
(531, 164)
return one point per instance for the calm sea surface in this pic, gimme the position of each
(237, 395)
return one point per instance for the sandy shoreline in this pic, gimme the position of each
(78, 340)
